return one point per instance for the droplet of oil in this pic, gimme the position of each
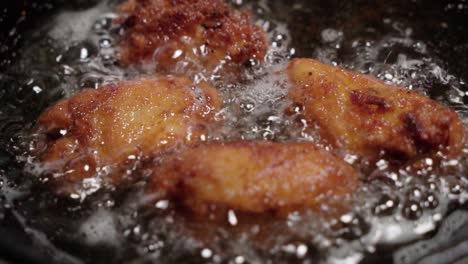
(412, 210)
(105, 43)
(247, 106)
(430, 201)
(353, 226)
(386, 206)
(415, 194)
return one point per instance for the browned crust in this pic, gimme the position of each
(104, 126)
(365, 116)
(155, 29)
(253, 177)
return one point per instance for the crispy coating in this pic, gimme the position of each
(253, 177)
(97, 131)
(365, 116)
(201, 33)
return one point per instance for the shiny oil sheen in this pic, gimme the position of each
(400, 217)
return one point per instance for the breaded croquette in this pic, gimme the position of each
(182, 35)
(99, 130)
(252, 177)
(367, 117)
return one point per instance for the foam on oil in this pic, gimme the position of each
(77, 50)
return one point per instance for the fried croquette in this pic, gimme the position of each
(368, 117)
(182, 35)
(252, 177)
(98, 131)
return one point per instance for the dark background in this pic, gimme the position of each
(450, 44)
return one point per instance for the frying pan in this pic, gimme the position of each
(18, 245)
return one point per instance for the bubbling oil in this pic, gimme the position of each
(394, 206)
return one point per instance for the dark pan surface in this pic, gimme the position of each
(376, 37)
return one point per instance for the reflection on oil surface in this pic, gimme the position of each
(416, 44)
